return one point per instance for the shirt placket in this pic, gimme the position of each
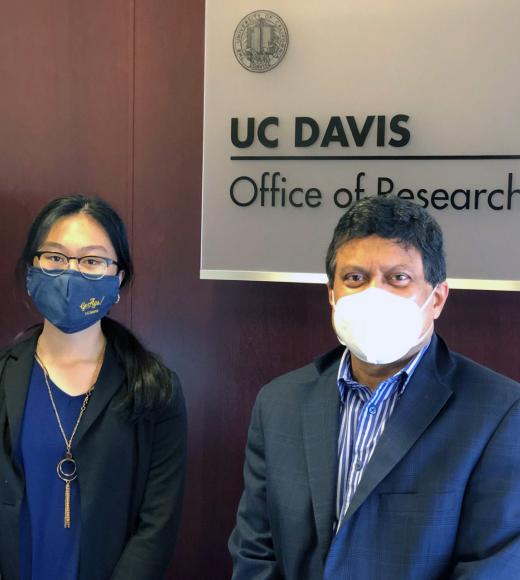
(363, 441)
(355, 467)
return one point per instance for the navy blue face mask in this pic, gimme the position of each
(70, 301)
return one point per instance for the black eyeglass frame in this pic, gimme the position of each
(108, 262)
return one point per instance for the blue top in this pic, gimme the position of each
(47, 550)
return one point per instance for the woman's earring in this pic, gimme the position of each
(118, 298)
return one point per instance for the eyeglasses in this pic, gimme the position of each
(91, 267)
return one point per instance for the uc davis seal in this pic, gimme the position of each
(260, 41)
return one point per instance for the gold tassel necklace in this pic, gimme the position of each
(66, 468)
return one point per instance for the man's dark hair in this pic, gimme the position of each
(395, 219)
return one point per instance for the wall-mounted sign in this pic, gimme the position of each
(360, 98)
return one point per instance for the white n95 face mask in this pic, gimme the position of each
(377, 326)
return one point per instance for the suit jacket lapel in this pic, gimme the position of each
(16, 377)
(109, 380)
(424, 397)
(17, 374)
(320, 432)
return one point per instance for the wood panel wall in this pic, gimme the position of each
(106, 97)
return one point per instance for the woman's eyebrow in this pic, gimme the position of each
(59, 246)
(92, 248)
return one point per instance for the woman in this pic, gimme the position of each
(92, 425)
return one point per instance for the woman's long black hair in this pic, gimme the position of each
(149, 382)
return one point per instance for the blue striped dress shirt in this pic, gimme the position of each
(363, 417)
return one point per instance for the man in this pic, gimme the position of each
(393, 458)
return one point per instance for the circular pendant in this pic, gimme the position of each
(66, 468)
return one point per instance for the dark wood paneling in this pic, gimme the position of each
(66, 71)
(68, 124)
(484, 326)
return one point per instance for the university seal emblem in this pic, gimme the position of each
(260, 41)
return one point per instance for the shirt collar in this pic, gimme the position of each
(400, 379)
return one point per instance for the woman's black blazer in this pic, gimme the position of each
(131, 475)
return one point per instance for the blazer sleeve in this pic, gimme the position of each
(147, 554)
(251, 543)
(488, 543)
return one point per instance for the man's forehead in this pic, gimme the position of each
(376, 248)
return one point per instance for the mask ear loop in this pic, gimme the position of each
(429, 297)
(421, 338)
(334, 305)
